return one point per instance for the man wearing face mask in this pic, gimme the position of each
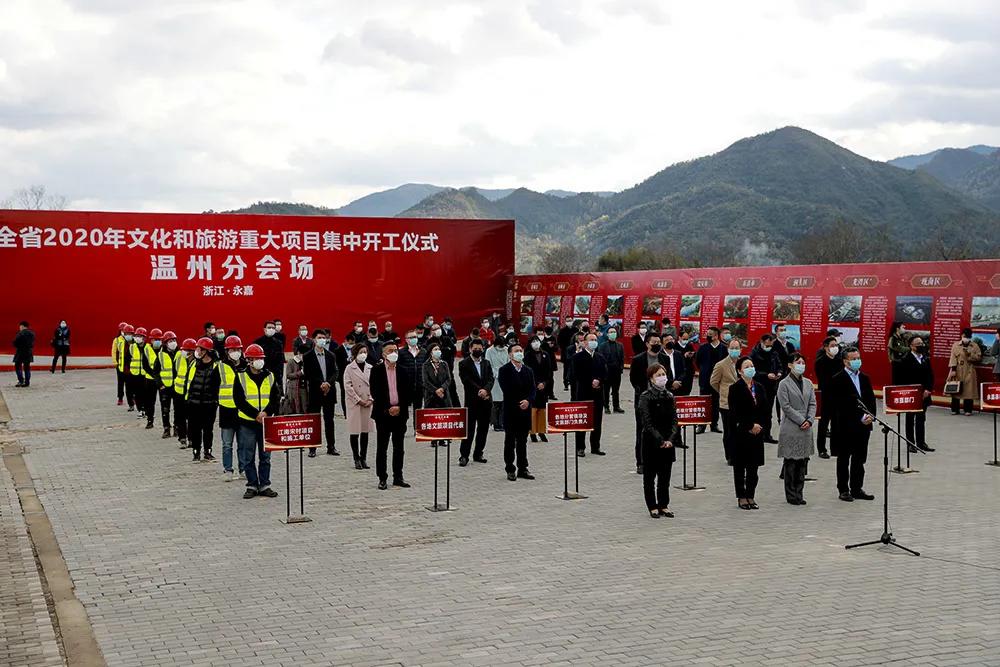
(357, 331)
(390, 409)
(579, 344)
(550, 346)
(321, 372)
(219, 342)
(518, 385)
(374, 345)
(706, 358)
(915, 368)
(829, 362)
(183, 359)
(769, 373)
(133, 370)
(446, 338)
(724, 375)
(279, 335)
(60, 345)
(687, 351)
(168, 374)
(675, 365)
(150, 371)
(639, 339)
(639, 379)
(118, 356)
(274, 353)
(388, 335)
(257, 396)
(477, 378)
(590, 373)
(302, 343)
(411, 360)
(202, 398)
(231, 365)
(852, 427)
(614, 355)
(565, 340)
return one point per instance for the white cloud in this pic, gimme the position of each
(200, 104)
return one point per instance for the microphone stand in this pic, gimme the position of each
(886, 537)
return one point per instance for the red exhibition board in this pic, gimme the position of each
(292, 432)
(903, 398)
(933, 299)
(693, 410)
(441, 424)
(569, 416)
(177, 271)
(989, 395)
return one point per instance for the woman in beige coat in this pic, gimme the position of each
(357, 390)
(962, 367)
(723, 377)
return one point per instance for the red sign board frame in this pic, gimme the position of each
(989, 396)
(566, 416)
(292, 432)
(896, 397)
(441, 424)
(697, 409)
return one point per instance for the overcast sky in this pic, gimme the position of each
(196, 104)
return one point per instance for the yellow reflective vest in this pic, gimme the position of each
(134, 360)
(166, 368)
(150, 353)
(118, 352)
(258, 395)
(228, 375)
(181, 374)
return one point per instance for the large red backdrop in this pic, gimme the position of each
(934, 299)
(176, 271)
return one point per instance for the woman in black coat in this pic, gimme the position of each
(660, 437)
(540, 363)
(436, 378)
(748, 412)
(60, 345)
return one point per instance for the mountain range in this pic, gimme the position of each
(764, 199)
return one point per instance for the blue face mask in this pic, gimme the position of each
(855, 365)
(767, 348)
(518, 357)
(592, 344)
(748, 373)
(734, 354)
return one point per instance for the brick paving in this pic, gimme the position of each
(175, 568)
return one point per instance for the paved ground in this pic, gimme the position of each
(175, 568)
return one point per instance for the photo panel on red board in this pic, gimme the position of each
(787, 308)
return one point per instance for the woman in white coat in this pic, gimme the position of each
(795, 439)
(357, 389)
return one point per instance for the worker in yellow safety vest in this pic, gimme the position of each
(118, 346)
(165, 352)
(231, 365)
(182, 360)
(150, 371)
(133, 365)
(202, 395)
(257, 395)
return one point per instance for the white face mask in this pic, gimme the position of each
(660, 381)
(320, 343)
(642, 331)
(258, 364)
(62, 324)
(966, 339)
(393, 357)
(303, 333)
(269, 331)
(297, 358)
(362, 357)
(535, 345)
(235, 355)
(172, 345)
(199, 353)
(834, 350)
(798, 369)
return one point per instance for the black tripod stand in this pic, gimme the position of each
(886, 537)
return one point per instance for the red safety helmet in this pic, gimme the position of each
(234, 343)
(129, 329)
(156, 334)
(206, 343)
(189, 345)
(254, 352)
(169, 335)
(122, 325)
(141, 331)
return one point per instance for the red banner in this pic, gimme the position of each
(934, 300)
(903, 398)
(177, 271)
(693, 410)
(989, 396)
(570, 416)
(292, 432)
(441, 424)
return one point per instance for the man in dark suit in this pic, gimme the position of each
(477, 378)
(687, 350)
(590, 372)
(915, 368)
(320, 369)
(518, 385)
(769, 372)
(709, 354)
(614, 355)
(852, 427)
(274, 353)
(391, 398)
(654, 354)
(565, 340)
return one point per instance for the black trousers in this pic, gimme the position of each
(62, 352)
(612, 387)
(453, 386)
(480, 412)
(166, 401)
(327, 406)
(149, 390)
(595, 435)
(824, 427)
(966, 404)
(359, 445)
(180, 416)
(515, 448)
(715, 406)
(851, 466)
(915, 422)
(638, 431)
(201, 424)
(343, 396)
(133, 384)
(771, 389)
(656, 483)
(726, 433)
(122, 378)
(496, 415)
(389, 428)
(745, 480)
(795, 478)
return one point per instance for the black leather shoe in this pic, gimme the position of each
(716, 430)
(400, 483)
(911, 449)
(149, 425)
(770, 441)
(166, 434)
(534, 437)
(524, 474)
(462, 461)
(699, 430)
(268, 493)
(581, 453)
(249, 493)
(619, 411)
(357, 464)
(312, 453)
(846, 497)
(541, 436)
(925, 447)
(480, 459)
(598, 452)
(512, 477)
(364, 464)
(824, 455)
(382, 486)
(638, 470)
(332, 452)
(862, 495)
(607, 411)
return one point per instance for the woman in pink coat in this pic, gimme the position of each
(357, 390)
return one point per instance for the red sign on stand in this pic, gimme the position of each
(989, 396)
(292, 432)
(570, 417)
(693, 410)
(903, 398)
(441, 424)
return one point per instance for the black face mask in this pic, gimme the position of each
(476, 354)
(655, 348)
(670, 346)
